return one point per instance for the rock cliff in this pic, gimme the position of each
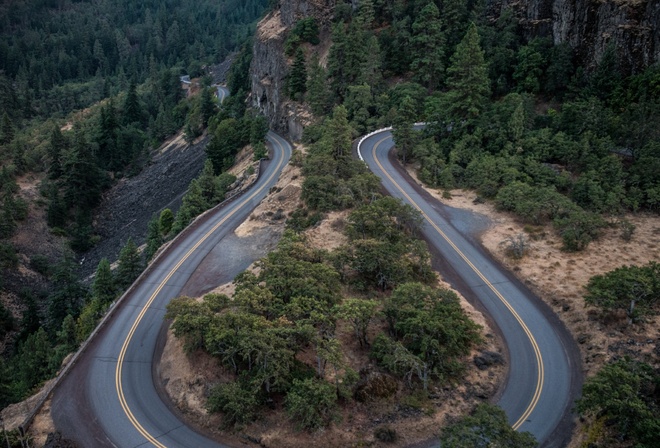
(589, 26)
(270, 65)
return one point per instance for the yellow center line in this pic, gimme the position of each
(530, 336)
(122, 353)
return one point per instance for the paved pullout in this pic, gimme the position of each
(109, 397)
(544, 374)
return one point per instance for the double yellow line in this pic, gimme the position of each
(122, 354)
(530, 336)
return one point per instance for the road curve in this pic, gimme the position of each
(109, 398)
(544, 374)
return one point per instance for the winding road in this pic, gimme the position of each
(109, 398)
(544, 364)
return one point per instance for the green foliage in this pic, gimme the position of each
(6, 320)
(469, 86)
(203, 193)
(383, 251)
(625, 393)
(635, 289)
(297, 78)
(238, 404)
(129, 265)
(487, 426)
(359, 313)
(154, 238)
(165, 221)
(432, 327)
(311, 403)
(302, 219)
(427, 44)
(104, 287)
(318, 95)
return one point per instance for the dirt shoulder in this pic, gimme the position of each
(559, 279)
(188, 377)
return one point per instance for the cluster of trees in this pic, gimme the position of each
(633, 289)
(13, 210)
(59, 56)
(621, 404)
(294, 305)
(45, 335)
(476, 81)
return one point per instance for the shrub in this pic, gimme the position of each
(238, 404)
(311, 403)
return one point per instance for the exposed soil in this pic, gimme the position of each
(130, 204)
(188, 377)
(559, 278)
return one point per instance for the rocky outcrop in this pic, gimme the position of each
(589, 26)
(270, 65)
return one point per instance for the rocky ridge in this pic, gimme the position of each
(588, 26)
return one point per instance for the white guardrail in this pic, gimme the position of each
(378, 131)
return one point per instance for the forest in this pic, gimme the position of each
(87, 91)
(521, 121)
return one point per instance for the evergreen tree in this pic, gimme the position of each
(130, 266)
(6, 130)
(468, 78)
(83, 179)
(339, 134)
(56, 148)
(318, 95)
(427, 46)
(404, 134)
(132, 110)
(154, 238)
(166, 221)
(104, 288)
(297, 82)
(207, 105)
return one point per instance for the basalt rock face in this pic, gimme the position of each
(270, 65)
(589, 26)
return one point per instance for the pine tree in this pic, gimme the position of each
(427, 47)
(468, 78)
(297, 82)
(339, 133)
(130, 266)
(154, 238)
(56, 148)
(104, 288)
(166, 221)
(404, 134)
(6, 130)
(132, 111)
(318, 95)
(83, 179)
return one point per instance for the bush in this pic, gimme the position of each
(311, 403)
(386, 434)
(238, 404)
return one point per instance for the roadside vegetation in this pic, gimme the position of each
(87, 91)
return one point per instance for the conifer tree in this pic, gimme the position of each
(83, 178)
(428, 41)
(130, 266)
(132, 110)
(57, 145)
(468, 78)
(104, 288)
(154, 238)
(6, 129)
(404, 134)
(297, 82)
(318, 95)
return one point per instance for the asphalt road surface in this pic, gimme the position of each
(543, 361)
(109, 398)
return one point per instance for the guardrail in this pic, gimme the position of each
(378, 131)
(199, 220)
